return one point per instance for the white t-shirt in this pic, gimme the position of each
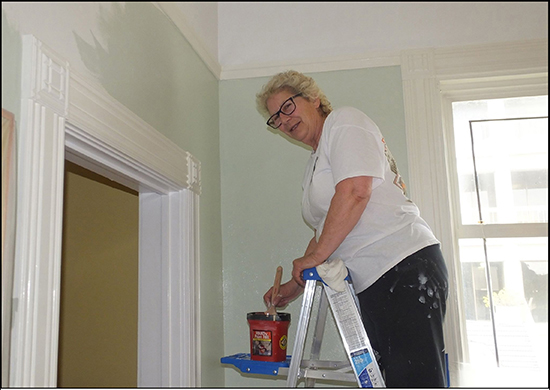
(390, 228)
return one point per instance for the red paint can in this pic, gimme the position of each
(268, 336)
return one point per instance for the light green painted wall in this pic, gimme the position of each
(11, 67)
(144, 61)
(261, 196)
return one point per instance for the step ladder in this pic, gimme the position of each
(345, 310)
(361, 366)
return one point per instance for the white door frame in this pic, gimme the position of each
(65, 116)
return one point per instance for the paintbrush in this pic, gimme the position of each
(278, 275)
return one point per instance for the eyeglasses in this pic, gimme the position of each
(287, 108)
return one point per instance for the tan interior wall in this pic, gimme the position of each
(99, 282)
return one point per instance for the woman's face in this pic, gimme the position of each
(305, 124)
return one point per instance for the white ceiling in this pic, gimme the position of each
(257, 34)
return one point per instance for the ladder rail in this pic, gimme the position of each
(303, 322)
(354, 337)
(318, 333)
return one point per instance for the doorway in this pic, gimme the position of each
(98, 339)
(67, 116)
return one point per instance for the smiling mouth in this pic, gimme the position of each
(293, 127)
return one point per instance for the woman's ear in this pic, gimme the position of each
(317, 103)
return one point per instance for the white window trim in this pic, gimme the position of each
(66, 116)
(431, 80)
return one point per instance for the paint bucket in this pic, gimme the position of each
(268, 336)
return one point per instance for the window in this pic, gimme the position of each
(501, 150)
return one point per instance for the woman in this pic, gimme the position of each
(355, 201)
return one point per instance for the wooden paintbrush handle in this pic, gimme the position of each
(277, 283)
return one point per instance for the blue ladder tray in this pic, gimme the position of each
(248, 366)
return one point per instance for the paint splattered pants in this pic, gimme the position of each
(403, 313)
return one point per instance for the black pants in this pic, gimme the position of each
(403, 313)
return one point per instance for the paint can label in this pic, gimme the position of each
(261, 343)
(268, 336)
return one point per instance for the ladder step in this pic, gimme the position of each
(248, 366)
(314, 369)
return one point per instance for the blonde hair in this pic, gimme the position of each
(294, 82)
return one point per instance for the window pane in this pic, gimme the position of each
(519, 277)
(511, 160)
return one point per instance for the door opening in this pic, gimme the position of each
(99, 282)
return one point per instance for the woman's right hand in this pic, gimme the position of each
(287, 292)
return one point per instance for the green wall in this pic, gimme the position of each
(144, 61)
(11, 67)
(261, 175)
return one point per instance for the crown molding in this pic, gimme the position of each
(492, 59)
(447, 62)
(312, 65)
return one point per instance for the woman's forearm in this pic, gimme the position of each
(346, 207)
(311, 246)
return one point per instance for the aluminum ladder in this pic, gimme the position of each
(345, 309)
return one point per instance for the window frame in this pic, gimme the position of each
(432, 80)
(499, 89)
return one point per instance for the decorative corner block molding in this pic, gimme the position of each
(417, 64)
(194, 175)
(49, 76)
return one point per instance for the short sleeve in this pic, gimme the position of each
(356, 151)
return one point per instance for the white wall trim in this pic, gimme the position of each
(96, 118)
(312, 65)
(459, 71)
(35, 320)
(168, 331)
(64, 114)
(448, 62)
(507, 59)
